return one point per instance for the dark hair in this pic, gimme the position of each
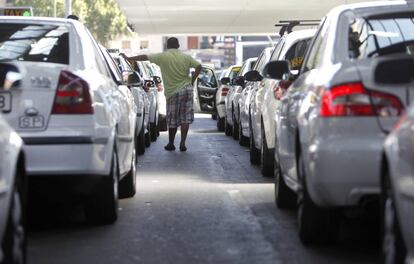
(73, 17)
(172, 43)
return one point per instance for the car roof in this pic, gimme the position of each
(371, 8)
(37, 20)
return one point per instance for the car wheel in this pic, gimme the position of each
(141, 141)
(127, 186)
(220, 124)
(15, 238)
(227, 128)
(214, 116)
(316, 225)
(394, 250)
(254, 152)
(235, 131)
(153, 129)
(102, 207)
(266, 157)
(285, 198)
(148, 139)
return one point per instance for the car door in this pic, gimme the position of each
(205, 88)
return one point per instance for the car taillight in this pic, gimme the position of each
(354, 100)
(160, 87)
(280, 88)
(72, 96)
(224, 91)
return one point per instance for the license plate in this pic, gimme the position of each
(5, 102)
(31, 121)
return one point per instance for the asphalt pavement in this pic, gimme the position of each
(206, 205)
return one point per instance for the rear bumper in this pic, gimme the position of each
(67, 155)
(341, 170)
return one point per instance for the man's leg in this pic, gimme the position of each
(171, 135)
(184, 131)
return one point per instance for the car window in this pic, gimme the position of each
(207, 78)
(371, 37)
(34, 42)
(234, 72)
(99, 59)
(116, 74)
(317, 49)
(278, 49)
(296, 53)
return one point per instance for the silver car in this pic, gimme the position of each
(77, 124)
(13, 182)
(333, 118)
(397, 171)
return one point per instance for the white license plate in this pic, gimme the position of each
(5, 102)
(31, 121)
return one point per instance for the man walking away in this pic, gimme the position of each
(178, 88)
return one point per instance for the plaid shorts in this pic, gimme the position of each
(180, 107)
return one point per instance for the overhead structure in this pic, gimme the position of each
(220, 16)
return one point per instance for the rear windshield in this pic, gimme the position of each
(31, 42)
(371, 37)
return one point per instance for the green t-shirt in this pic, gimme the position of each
(175, 68)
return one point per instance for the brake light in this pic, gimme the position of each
(280, 88)
(160, 87)
(224, 91)
(354, 100)
(72, 96)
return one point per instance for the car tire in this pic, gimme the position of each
(243, 141)
(15, 238)
(285, 198)
(394, 249)
(127, 185)
(148, 139)
(254, 152)
(235, 132)
(220, 124)
(102, 207)
(228, 130)
(153, 129)
(316, 225)
(214, 116)
(266, 158)
(140, 141)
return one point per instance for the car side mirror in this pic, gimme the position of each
(157, 79)
(394, 70)
(131, 78)
(239, 80)
(10, 77)
(253, 76)
(277, 69)
(225, 80)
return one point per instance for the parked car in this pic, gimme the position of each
(332, 120)
(254, 93)
(161, 99)
(291, 47)
(205, 89)
(69, 113)
(224, 87)
(235, 100)
(397, 170)
(141, 101)
(13, 181)
(145, 69)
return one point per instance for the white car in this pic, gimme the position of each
(205, 89)
(252, 112)
(225, 84)
(71, 115)
(145, 69)
(141, 101)
(291, 47)
(12, 195)
(237, 101)
(161, 99)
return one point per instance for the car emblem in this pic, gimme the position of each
(31, 111)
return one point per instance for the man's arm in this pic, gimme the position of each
(134, 58)
(196, 73)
